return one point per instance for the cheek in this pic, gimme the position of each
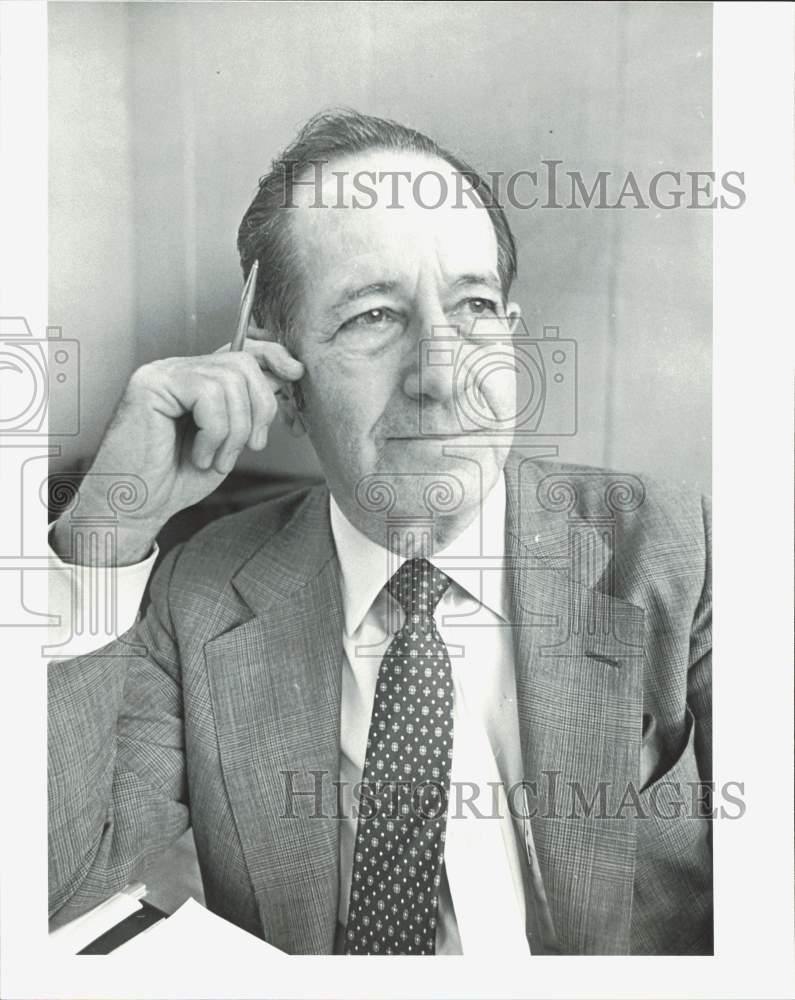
(490, 382)
(500, 391)
(345, 398)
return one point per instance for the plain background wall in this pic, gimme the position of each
(163, 117)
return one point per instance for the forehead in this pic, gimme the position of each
(421, 217)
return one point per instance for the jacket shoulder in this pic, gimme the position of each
(213, 555)
(658, 530)
(635, 499)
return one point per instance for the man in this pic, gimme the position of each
(344, 690)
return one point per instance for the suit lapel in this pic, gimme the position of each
(275, 682)
(579, 700)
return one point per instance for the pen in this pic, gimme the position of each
(246, 305)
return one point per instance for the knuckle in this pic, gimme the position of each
(214, 432)
(144, 376)
(213, 392)
(235, 379)
(239, 429)
(247, 362)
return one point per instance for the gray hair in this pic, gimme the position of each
(264, 234)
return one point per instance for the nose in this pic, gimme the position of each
(430, 367)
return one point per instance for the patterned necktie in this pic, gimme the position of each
(403, 807)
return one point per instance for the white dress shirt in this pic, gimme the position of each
(481, 901)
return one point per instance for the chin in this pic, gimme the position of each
(426, 482)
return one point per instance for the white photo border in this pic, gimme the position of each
(753, 679)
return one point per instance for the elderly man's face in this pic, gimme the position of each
(376, 282)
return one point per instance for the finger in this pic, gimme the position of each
(262, 391)
(276, 358)
(277, 385)
(253, 332)
(269, 354)
(206, 401)
(259, 333)
(238, 409)
(262, 388)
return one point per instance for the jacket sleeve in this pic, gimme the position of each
(699, 687)
(117, 790)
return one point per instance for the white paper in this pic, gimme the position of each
(74, 936)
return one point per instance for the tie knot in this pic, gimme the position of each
(418, 586)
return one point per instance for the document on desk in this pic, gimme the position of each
(69, 939)
(191, 930)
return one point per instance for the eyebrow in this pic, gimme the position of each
(354, 293)
(489, 279)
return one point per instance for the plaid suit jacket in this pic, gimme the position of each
(233, 678)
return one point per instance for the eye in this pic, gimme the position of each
(372, 319)
(477, 306)
(482, 305)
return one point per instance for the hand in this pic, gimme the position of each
(180, 426)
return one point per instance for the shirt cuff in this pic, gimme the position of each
(93, 605)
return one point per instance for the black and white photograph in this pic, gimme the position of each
(363, 452)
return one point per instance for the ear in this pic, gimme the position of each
(289, 395)
(290, 406)
(513, 312)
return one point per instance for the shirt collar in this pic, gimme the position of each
(365, 566)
